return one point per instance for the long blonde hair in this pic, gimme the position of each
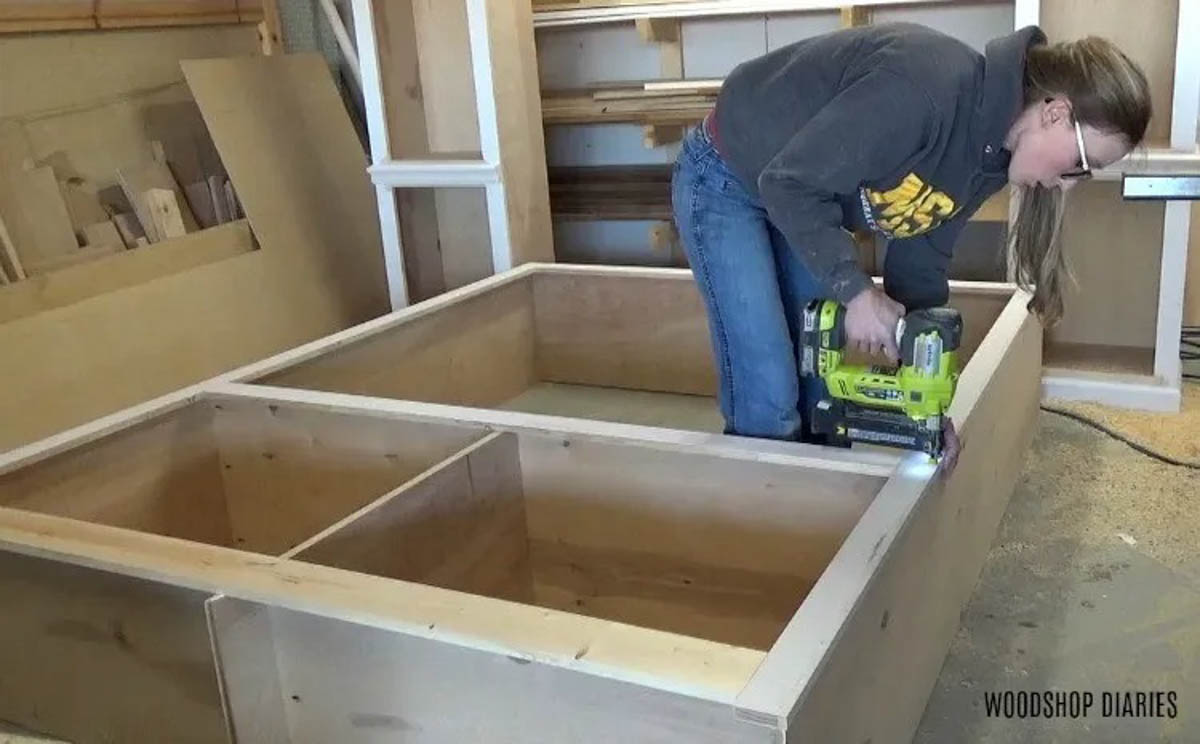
(1108, 91)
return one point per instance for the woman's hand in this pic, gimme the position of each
(951, 446)
(871, 319)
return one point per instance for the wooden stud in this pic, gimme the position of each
(14, 267)
(668, 34)
(164, 210)
(856, 15)
(658, 29)
(270, 29)
(129, 228)
(656, 135)
(103, 233)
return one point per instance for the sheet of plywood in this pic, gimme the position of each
(164, 477)
(319, 268)
(244, 651)
(1115, 251)
(592, 329)
(290, 472)
(1148, 37)
(858, 661)
(38, 222)
(125, 641)
(83, 202)
(345, 682)
(317, 207)
(459, 525)
(83, 255)
(477, 352)
(716, 548)
(94, 90)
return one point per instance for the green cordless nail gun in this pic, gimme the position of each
(891, 406)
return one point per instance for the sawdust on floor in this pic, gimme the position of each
(1100, 490)
(1173, 434)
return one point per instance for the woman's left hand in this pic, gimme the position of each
(951, 446)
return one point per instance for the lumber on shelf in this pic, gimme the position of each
(671, 102)
(643, 192)
(630, 192)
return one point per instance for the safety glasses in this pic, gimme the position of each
(1084, 171)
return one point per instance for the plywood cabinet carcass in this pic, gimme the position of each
(504, 514)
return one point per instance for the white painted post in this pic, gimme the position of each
(381, 153)
(1177, 214)
(489, 131)
(1026, 13)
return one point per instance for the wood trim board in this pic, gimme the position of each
(306, 643)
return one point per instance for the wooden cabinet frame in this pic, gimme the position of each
(757, 591)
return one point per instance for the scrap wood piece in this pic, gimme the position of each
(270, 29)
(216, 191)
(11, 261)
(165, 211)
(200, 200)
(658, 29)
(32, 206)
(854, 16)
(129, 228)
(153, 174)
(113, 200)
(103, 233)
(83, 202)
(235, 207)
(186, 145)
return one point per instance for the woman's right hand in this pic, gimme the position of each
(871, 319)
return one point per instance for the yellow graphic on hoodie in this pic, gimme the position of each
(909, 209)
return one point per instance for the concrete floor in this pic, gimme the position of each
(1092, 585)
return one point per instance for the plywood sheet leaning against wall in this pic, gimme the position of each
(299, 170)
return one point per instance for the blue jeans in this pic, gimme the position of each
(755, 290)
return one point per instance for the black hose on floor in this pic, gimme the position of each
(1122, 438)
